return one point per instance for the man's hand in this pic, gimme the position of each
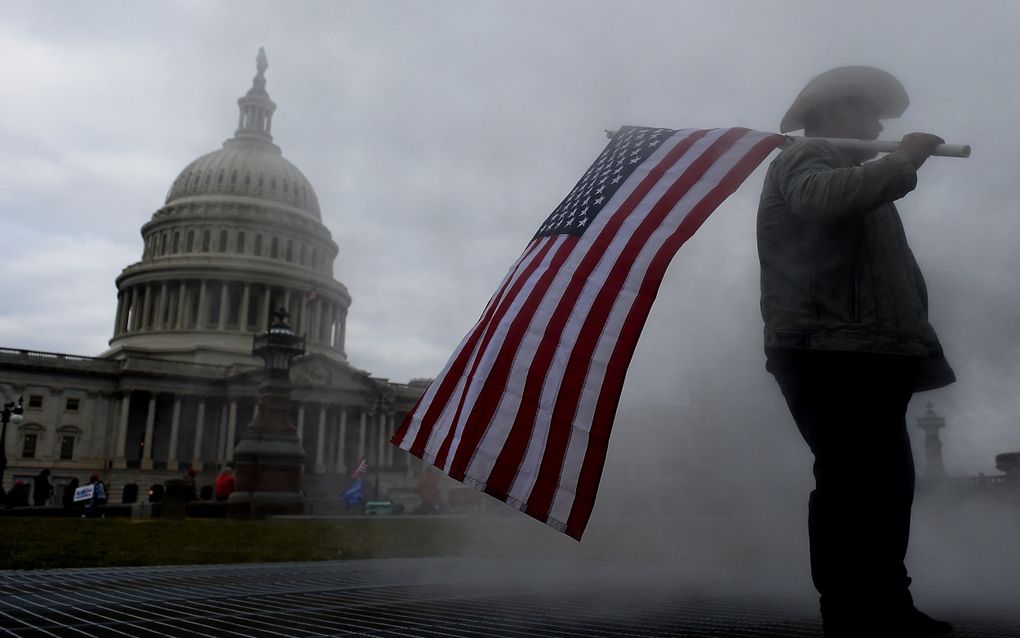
(919, 146)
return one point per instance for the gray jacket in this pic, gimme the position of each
(836, 271)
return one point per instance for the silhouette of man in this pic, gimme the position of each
(848, 340)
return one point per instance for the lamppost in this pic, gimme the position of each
(269, 455)
(13, 411)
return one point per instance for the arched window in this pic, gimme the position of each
(290, 250)
(302, 258)
(274, 248)
(206, 240)
(177, 241)
(258, 245)
(162, 244)
(315, 259)
(223, 241)
(240, 242)
(191, 242)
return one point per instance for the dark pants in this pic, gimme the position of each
(850, 408)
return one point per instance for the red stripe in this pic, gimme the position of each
(448, 383)
(576, 370)
(609, 397)
(534, 296)
(508, 463)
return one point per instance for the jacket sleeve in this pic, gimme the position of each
(815, 184)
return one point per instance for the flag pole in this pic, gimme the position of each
(873, 146)
(885, 146)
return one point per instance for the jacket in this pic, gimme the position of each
(836, 270)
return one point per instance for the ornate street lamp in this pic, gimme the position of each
(269, 456)
(11, 414)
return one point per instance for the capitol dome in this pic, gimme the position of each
(239, 235)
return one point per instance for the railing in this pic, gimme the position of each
(59, 356)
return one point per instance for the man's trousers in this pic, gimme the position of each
(851, 409)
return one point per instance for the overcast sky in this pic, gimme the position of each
(438, 135)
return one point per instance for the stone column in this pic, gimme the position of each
(118, 319)
(147, 307)
(286, 304)
(263, 322)
(150, 424)
(341, 330)
(341, 446)
(231, 429)
(387, 433)
(224, 303)
(301, 422)
(160, 322)
(380, 452)
(221, 437)
(362, 436)
(175, 430)
(320, 441)
(203, 306)
(119, 458)
(336, 328)
(182, 297)
(135, 320)
(196, 451)
(242, 317)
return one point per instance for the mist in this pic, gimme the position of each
(438, 136)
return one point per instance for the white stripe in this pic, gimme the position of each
(592, 388)
(430, 392)
(528, 473)
(445, 422)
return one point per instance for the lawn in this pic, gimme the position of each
(37, 543)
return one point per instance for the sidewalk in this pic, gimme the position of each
(399, 597)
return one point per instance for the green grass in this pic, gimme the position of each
(47, 542)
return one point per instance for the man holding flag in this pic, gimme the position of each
(848, 340)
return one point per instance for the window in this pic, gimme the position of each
(177, 241)
(290, 250)
(67, 447)
(206, 241)
(258, 245)
(274, 248)
(35, 401)
(28, 446)
(240, 243)
(223, 241)
(302, 254)
(191, 241)
(72, 404)
(162, 245)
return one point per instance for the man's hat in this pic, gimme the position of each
(875, 85)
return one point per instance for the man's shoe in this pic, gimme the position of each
(917, 624)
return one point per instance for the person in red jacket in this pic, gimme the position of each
(224, 484)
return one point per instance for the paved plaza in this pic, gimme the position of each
(397, 597)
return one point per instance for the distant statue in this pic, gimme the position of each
(261, 61)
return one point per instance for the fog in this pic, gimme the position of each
(439, 135)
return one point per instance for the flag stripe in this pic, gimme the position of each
(608, 399)
(521, 432)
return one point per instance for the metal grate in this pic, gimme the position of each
(389, 598)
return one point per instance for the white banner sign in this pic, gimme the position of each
(84, 493)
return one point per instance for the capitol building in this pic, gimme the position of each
(240, 234)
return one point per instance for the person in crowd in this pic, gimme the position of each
(41, 488)
(18, 495)
(224, 484)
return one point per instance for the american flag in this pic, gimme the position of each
(524, 407)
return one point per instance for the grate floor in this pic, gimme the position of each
(390, 598)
